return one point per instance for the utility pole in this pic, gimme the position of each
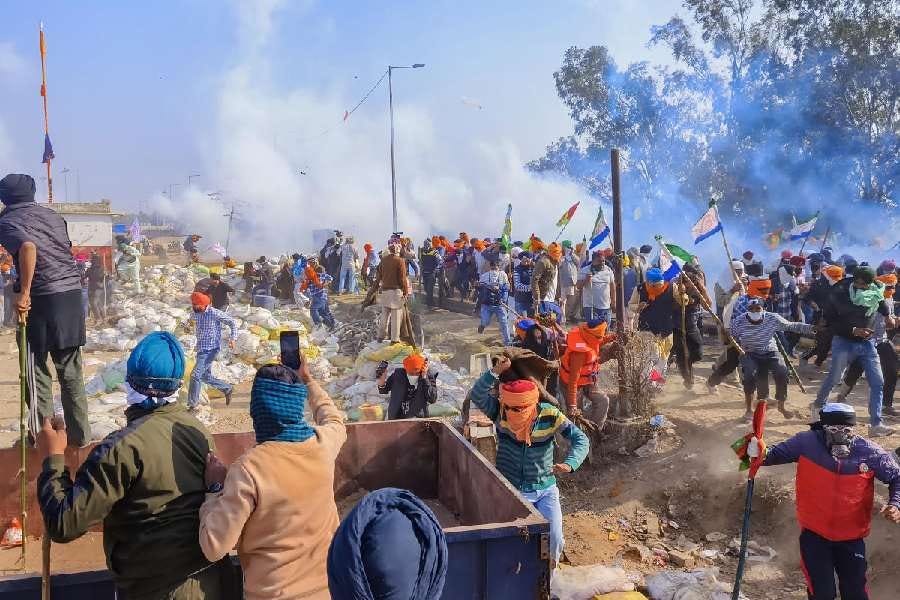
(189, 177)
(230, 215)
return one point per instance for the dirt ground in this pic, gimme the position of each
(688, 490)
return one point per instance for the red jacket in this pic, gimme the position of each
(835, 497)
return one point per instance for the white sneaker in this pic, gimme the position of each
(877, 431)
(814, 412)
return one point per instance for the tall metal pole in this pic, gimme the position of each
(620, 280)
(48, 158)
(228, 235)
(65, 173)
(393, 171)
(78, 180)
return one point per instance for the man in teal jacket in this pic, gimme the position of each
(526, 428)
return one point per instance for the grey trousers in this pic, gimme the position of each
(67, 364)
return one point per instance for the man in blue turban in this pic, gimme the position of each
(363, 559)
(145, 483)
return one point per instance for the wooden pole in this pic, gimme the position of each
(727, 249)
(619, 275)
(47, 159)
(23, 415)
(686, 365)
(825, 239)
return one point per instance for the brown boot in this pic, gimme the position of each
(785, 412)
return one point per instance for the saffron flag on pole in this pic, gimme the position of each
(507, 226)
(708, 225)
(671, 259)
(601, 230)
(802, 230)
(567, 216)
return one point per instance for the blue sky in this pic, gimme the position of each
(137, 89)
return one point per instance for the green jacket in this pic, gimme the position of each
(529, 468)
(146, 483)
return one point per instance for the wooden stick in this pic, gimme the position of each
(789, 364)
(684, 345)
(825, 239)
(23, 411)
(734, 274)
(731, 341)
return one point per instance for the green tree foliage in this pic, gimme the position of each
(772, 107)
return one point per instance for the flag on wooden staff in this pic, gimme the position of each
(708, 225)
(507, 226)
(601, 230)
(802, 229)
(567, 216)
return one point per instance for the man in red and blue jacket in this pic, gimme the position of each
(836, 473)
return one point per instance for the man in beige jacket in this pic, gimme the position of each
(276, 503)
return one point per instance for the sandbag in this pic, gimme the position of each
(587, 582)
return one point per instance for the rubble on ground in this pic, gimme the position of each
(587, 582)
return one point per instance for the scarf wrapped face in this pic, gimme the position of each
(276, 408)
(519, 405)
(868, 298)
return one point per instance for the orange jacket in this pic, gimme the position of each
(582, 356)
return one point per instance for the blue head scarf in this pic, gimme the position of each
(363, 559)
(155, 368)
(277, 401)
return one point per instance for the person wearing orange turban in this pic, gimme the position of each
(412, 388)
(478, 245)
(526, 430)
(208, 323)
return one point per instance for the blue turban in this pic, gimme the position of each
(156, 365)
(547, 308)
(277, 401)
(374, 552)
(654, 275)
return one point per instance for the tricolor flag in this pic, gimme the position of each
(671, 259)
(601, 230)
(507, 226)
(708, 225)
(567, 216)
(802, 230)
(48, 149)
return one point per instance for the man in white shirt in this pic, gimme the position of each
(598, 288)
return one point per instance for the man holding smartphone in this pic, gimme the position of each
(854, 303)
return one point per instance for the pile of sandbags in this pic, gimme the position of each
(358, 387)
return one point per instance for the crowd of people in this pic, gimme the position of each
(160, 490)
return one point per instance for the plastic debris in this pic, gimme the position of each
(586, 582)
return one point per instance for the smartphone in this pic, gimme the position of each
(290, 349)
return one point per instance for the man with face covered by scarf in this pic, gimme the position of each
(836, 472)
(854, 303)
(412, 388)
(276, 503)
(886, 353)
(526, 428)
(758, 286)
(819, 298)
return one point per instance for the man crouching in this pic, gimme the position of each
(145, 482)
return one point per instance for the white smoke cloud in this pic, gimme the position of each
(266, 135)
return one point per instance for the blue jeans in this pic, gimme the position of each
(347, 281)
(845, 351)
(320, 313)
(526, 309)
(202, 374)
(589, 314)
(547, 503)
(500, 313)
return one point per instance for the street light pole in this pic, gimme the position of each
(192, 177)
(65, 173)
(393, 168)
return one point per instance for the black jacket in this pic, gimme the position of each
(843, 316)
(658, 316)
(430, 262)
(406, 401)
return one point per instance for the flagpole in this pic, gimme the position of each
(46, 114)
(559, 235)
(734, 274)
(825, 239)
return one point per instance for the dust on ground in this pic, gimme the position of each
(618, 508)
